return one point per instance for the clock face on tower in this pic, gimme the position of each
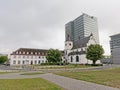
(68, 45)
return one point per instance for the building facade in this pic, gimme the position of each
(29, 56)
(25, 56)
(115, 48)
(76, 53)
(115, 41)
(81, 28)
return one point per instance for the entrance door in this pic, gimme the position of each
(31, 62)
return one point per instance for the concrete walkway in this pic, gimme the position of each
(66, 83)
(72, 84)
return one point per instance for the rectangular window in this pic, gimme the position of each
(14, 62)
(27, 56)
(39, 62)
(14, 56)
(18, 62)
(23, 62)
(23, 56)
(35, 62)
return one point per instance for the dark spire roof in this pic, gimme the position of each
(68, 38)
(77, 53)
(91, 34)
(82, 42)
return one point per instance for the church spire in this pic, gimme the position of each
(68, 38)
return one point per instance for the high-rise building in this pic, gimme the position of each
(115, 48)
(82, 27)
(115, 41)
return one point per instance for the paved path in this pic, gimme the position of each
(72, 84)
(66, 83)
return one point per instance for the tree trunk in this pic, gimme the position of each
(94, 61)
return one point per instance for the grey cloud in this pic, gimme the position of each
(40, 23)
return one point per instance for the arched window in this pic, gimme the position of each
(71, 59)
(77, 58)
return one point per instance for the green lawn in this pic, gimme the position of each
(27, 84)
(5, 72)
(110, 77)
(34, 73)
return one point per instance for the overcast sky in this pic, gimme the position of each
(41, 23)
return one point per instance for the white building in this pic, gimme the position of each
(73, 53)
(28, 56)
(24, 56)
(76, 53)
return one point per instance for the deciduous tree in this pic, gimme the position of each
(95, 52)
(54, 56)
(3, 59)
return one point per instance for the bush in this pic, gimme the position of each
(96, 65)
(49, 63)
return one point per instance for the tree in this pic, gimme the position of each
(54, 56)
(3, 59)
(95, 52)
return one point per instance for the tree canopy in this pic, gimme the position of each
(3, 59)
(54, 56)
(95, 52)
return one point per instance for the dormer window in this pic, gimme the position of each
(27, 52)
(16, 52)
(19, 52)
(70, 44)
(23, 52)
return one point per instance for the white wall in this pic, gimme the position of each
(27, 60)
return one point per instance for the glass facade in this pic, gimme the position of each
(115, 41)
(82, 27)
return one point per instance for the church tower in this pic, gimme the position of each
(68, 44)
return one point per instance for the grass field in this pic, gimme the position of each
(5, 72)
(27, 84)
(110, 77)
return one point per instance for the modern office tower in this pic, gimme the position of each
(115, 48)
(115, 41)
(82, 27)
(69, 31)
